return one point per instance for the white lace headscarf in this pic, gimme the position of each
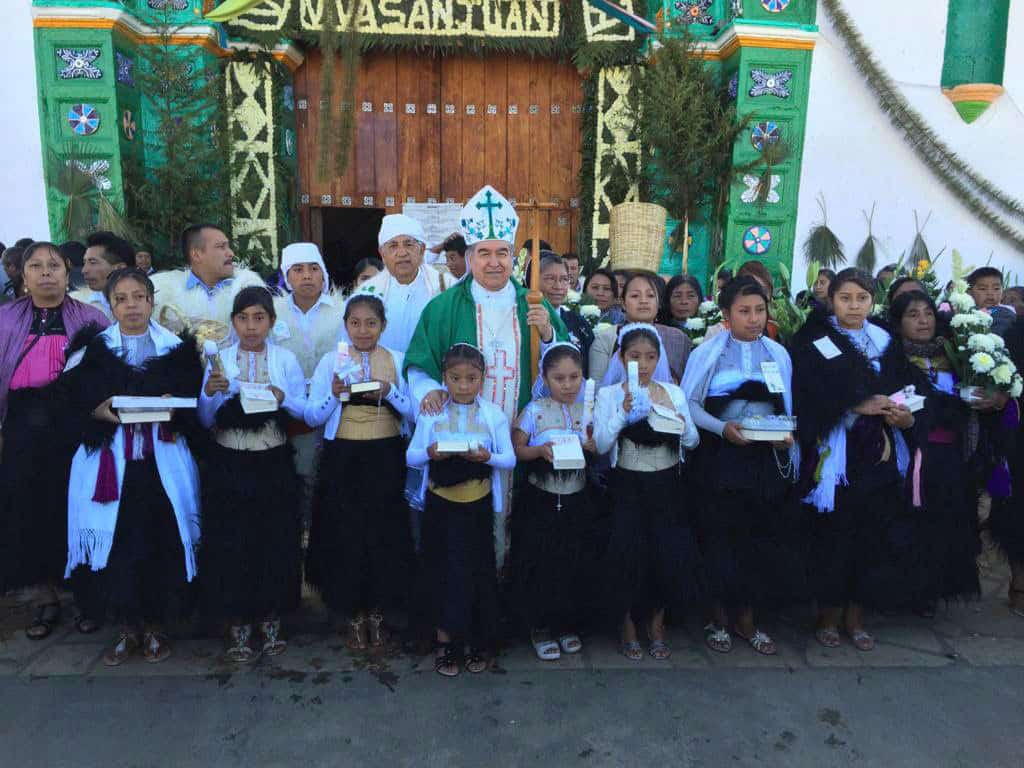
(540, 387)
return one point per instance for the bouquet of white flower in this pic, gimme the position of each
(591, 313)
(979, 357)
(708, 314)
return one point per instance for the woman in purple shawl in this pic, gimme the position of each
(35, 462)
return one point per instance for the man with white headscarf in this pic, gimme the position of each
(406, 284)
(308, 321)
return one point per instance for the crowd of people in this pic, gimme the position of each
(396, 450)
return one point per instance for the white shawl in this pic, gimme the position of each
(91, 524)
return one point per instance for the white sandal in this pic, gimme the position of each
(570, 643)
(546, 650)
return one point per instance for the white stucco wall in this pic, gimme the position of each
(23, 210)
(854, 156)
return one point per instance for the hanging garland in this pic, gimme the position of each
(962, 180)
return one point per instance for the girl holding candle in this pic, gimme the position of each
(554, 535)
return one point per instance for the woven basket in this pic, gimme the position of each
(636, 236)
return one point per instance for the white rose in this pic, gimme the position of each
(980, 342)
(573, 297)
(695, 324)
(1017, 386)
(982, 362)
(707, 307)
(590, 310)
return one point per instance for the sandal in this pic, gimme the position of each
(448, 659)
(632, 651)
(155, 647)
(828, 637)
(659, 650)
(717, 638)
(476, 661)
(47, 617)
(127, 643)
(570, 643)
(357, 639)
(240, 652)
(273, 645)
(377, 635)
(85, 625)
(862, 641)
(546, 649)
(759, 641)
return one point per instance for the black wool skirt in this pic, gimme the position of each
(749, 527)
(145, 578)
(653, 561)
(459, 578)
(360, 547)
(250, 561)
(947, 525)
(556, 552)
(866, 551)
(34, 476)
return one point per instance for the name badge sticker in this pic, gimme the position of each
(773, 377)
(827, 348)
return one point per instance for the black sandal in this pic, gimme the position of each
(476, 662)
(448, 662)
(85, 625)
(47, 617)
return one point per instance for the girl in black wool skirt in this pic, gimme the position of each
(652, 559)
(555, 549)
(250, 556)
(360, 545)
(746, 521)
(943, 491)
(463, 449)
(854, 457)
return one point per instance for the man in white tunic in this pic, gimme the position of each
(308, 322)
(199, 298)
(406, 284)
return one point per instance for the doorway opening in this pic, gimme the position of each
(348, 235)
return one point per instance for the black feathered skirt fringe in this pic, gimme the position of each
(250, 560)
(145, 577)
(360, 547)
(34, 476)
(459, 580)
(653, 560)
(947, 524)
(555, 555)
(866, 551)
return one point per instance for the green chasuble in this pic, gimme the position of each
(450, 318)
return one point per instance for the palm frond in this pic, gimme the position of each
(919, 249)
(866, 258)
(822, 245)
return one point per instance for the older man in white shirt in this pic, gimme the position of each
(407, 284)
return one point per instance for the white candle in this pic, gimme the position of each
(212, 357)
(633, 370)
(588, 402)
